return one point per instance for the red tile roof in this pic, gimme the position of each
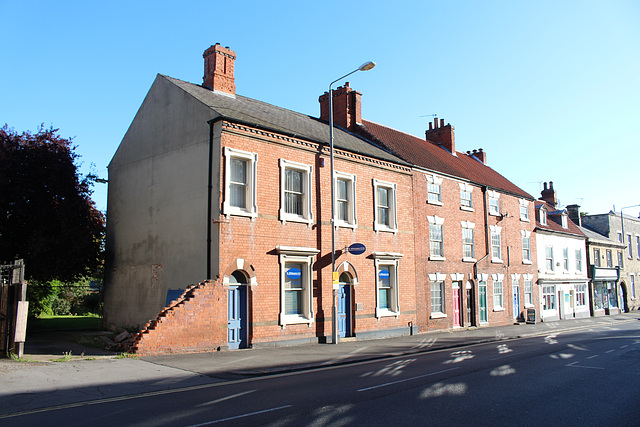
(554, 214)
(422, 153)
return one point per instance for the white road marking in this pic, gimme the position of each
(406, 379)
(241, 416)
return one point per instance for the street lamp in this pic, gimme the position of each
(334, 310)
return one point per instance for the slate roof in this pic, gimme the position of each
(424, 154)
(554, 221)
(248, 111)
(595, 237)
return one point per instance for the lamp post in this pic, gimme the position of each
(334, 309)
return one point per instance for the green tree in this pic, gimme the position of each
(47, 216)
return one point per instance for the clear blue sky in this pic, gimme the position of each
(549, 89)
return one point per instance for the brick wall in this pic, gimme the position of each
(511, 240)
(255, 240)
(195, 322)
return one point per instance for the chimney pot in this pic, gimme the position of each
(441, 123)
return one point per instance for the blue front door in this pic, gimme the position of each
(516, 303)
(344, 310)
(237, 318)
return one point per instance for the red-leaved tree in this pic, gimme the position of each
(47, 216)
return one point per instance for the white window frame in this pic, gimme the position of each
(468, 227)
(637, 246)
(466, 189)
(565, 221)
(633, 285)
(434, 190)
(304, 256)
(596, 257)
(393, 219)
(352, 221)
(438, 278)
(565, 259)
(495, 231)
(548, 291)
(609, 257)
(436, 222)
(498, 279)
(543, 215)
(549, 258)
(307, 211)
(581, 295)
(578, 253)
(527, 280)
(493, 202)
(392, 261)
(437, 288)
(524, 210)
(526, 248)
(629, 246)
(251, 206)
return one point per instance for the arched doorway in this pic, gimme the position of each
(237, 310)
(471, 305)
(345, 327)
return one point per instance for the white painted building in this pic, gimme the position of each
(562, 263)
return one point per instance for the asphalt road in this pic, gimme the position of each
(588, 377)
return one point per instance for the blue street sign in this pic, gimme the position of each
(383, 274)
(357, 248)
(294, 273)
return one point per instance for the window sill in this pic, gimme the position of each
(497, 261)
(386, 313)
(466, 208)
(434, 202)
(524, 219)
(294, 218)
(240, 212)
(438, 315)
(345, 225)
(469, 260)
(385, 229)
(527, 262)
(498, 308)
(529, 306)
(437, 258)
(289, 319)
(494, 213)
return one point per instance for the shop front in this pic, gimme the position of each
(605, 292)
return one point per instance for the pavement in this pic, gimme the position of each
(55, 371)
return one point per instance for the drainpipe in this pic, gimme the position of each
(487, 239)
(475, 266)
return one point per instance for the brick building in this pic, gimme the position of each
(223, 203)
(624, 230)
(473, 227)
(219, 224)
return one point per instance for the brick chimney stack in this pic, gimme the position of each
(347, 111)
(548, 194)
(442, 135)
(479, 155)
(574, 214)
(218, 69)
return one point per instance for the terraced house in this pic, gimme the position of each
(208, 184)
(473, 227)
(219, 225)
